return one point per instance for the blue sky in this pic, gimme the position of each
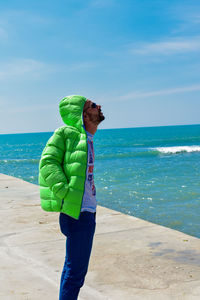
(139, 59)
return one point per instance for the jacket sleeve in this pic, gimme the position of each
(51, 165)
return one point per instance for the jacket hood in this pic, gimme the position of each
(71, 111)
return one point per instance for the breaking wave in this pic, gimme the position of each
(178, 149)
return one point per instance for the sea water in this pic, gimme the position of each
(152, 172)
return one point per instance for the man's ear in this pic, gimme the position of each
(85, 116)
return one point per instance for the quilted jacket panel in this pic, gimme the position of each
(62, 168)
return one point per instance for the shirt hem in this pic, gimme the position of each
(88, 209)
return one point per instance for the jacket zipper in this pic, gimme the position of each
(62, 204)
(85, 174)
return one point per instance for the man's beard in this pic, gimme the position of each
(96, 119)
(101, 118)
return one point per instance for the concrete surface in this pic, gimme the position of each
(131, 258)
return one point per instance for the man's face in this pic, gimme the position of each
(93, 112)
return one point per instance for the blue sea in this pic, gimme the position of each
(152, 173)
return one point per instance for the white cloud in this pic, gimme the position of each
(138, 95)
(188, 13)
(31, 108)
(85, 65)
(30, 68)
(20, 68)
(170, 46)
(3, 33)
(197, 19)
(194, 18)
(13, 16)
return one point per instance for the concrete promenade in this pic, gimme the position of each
(131, 259)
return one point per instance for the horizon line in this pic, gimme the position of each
(171, 125)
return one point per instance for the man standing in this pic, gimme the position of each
(67, 186)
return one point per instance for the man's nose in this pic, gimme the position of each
(99, 106)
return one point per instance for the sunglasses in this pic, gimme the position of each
(93, 105)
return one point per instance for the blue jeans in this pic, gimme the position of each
(79, 240)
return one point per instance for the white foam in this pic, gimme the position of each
(178, 149)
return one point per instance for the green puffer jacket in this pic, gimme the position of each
(63, 164)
